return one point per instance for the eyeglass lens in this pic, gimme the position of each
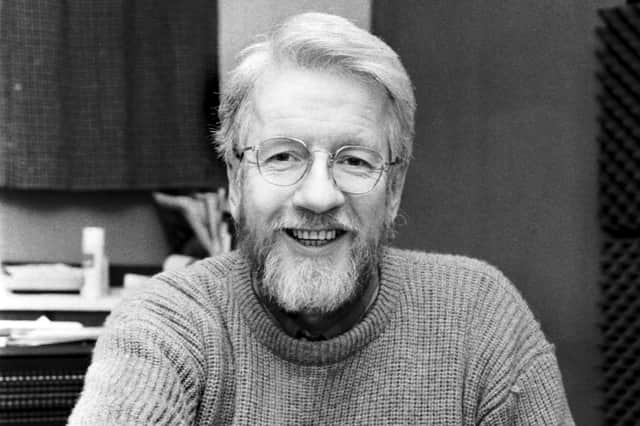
(283, 162)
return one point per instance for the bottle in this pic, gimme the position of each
(94, 264)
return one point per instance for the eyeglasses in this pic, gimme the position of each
(284, 161)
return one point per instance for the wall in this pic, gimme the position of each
(244, 21)
(506, 157)
(47, 226)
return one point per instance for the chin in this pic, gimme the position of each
(300, 283)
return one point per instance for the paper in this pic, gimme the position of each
(42, 277)
(52, 336)
(44, 332)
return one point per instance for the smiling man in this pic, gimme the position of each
(312, 205)
(315, 319)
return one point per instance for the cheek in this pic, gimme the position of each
(371, 211)
(261, 201)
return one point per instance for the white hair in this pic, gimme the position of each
(319, 41)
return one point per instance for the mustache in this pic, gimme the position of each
(257, 244)
(304, 219)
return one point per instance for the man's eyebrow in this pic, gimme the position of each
(338, 142)
(355, 139)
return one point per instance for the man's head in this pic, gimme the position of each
(316, 129)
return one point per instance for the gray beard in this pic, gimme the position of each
(303, 284)
(308, 285)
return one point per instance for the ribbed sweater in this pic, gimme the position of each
(448, 340)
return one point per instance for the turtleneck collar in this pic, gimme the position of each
(392, 279)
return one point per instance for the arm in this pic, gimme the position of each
(142, 371)
(519, 377)
(536, 397)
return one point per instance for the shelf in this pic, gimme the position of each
(58, 302)
(81, 348)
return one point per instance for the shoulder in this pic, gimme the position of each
(449, 273)
(198, 282)
(449, 262)
(493, 310)
(212, 270)
(182, 311)
(503, 343)
(181, 297)
(473, 293)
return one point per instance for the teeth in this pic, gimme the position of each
(314, 235)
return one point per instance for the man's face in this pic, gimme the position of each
(311, 243)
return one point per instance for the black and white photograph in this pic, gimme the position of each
(319, 212)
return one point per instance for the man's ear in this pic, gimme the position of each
(234, 191)
(395, 192)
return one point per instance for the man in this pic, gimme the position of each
(315, 320)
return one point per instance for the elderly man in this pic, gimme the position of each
(315, 319)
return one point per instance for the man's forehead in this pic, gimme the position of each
(275, 83)
(289, 94)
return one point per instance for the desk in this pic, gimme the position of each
(40, 385)
(58, 302)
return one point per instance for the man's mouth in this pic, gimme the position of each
(314, 238)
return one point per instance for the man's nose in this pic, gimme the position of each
(317, 191)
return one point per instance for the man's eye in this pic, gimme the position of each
(283, 157)
(357, 162)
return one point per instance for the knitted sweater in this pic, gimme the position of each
(448, 341)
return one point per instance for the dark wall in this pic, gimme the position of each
(505, 164)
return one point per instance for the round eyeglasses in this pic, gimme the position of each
(284, 161)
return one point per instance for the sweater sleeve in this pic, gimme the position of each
(143, 369)
(520, 381)
(536, 397)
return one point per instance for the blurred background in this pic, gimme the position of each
(506, 154)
